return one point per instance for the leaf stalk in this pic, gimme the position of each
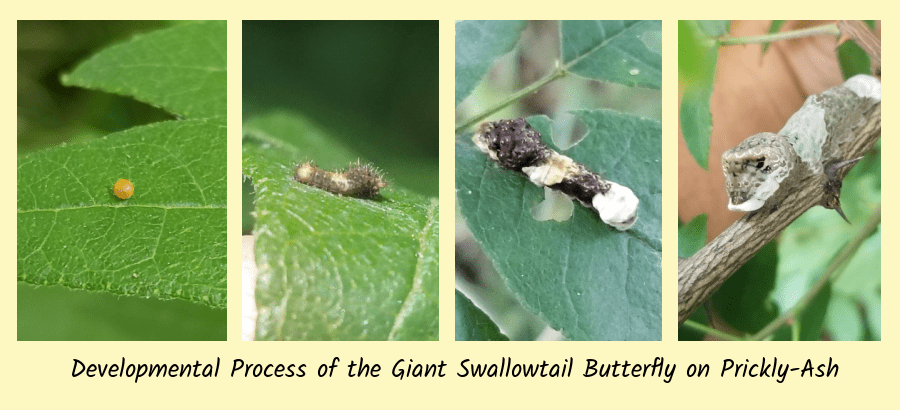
(829, 29)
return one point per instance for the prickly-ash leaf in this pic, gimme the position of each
(473, 324)
(585, 278)
(618, 51)
(166, 241)
(744, 300)
(181, 69)
(692, 236)
(478, 45)
(334, 267)
(697, 55)
(808, 245)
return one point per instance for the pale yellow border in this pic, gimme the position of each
(37, 374)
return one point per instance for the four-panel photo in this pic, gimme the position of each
(553, 183)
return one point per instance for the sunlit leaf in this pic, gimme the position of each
(181, 69)
(618, 51)
(697, 56)
(166, 241)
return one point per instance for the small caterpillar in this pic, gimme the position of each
(360, 181)
(514, 145)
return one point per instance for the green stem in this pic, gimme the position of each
(559, 72)
(837, 264)
(787, 35)
(710, 331)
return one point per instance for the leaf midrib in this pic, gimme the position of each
(601, 45)
(416, 288)
(123, 206)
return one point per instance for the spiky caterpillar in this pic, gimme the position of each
(761, 171)
(514, 145)
(360, 181)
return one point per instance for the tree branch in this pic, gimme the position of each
(704, 272)
(860, 33)
(558, 72)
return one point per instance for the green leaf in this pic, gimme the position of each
(805, 248)
(166, 241)
(773, 28)
(478, 45)
(692, 237)
(618, 51)
(689, 334)
(712, 28)
(334, 267)
(853, 60)
(585, 278)
(181, 69)
(696, 121)
(809, 244)
(744, 300)
(856, 295)
(70, 114)
(836, 320)
(473, 324)
(697, 56)
(813, 316)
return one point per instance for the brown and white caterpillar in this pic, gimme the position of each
(762, 170)
(514, 145)
(360, 181)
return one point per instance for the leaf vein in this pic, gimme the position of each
(416, 288)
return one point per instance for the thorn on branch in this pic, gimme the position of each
(831, 199)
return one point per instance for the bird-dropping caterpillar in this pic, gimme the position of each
(514, 145)
(763, 169)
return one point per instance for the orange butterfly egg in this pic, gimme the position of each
(123, 189)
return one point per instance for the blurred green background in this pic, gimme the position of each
(49, 114)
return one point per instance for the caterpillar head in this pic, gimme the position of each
(756, 169)
(511, 143)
